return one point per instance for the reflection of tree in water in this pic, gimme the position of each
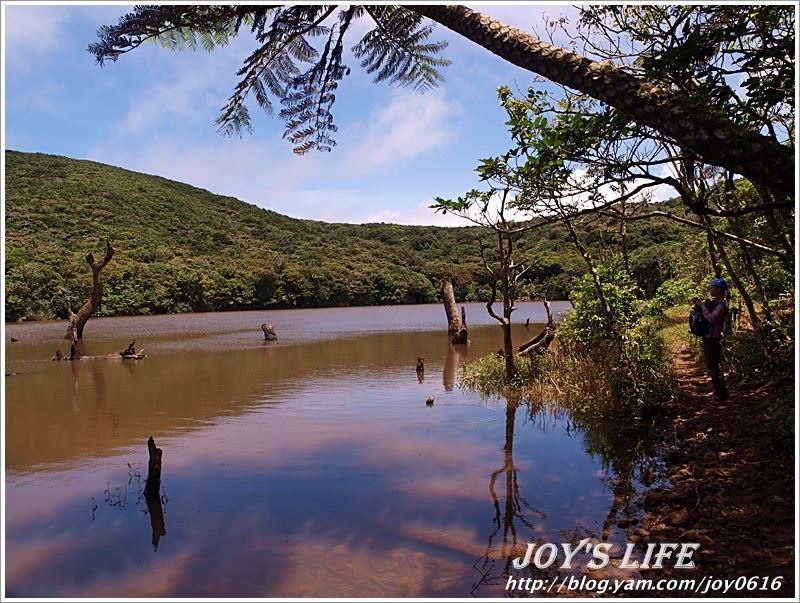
(619, 444)
(513, 510)
(456, 355)
(98, 377)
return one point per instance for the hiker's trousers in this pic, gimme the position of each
(712, 350)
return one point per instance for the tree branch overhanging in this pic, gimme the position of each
(721, 233)
(712, 137)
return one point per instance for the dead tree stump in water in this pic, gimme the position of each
(153, 483)
(455, 327)
(130, 352)
(269, 332)
(152, 492)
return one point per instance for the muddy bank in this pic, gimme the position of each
(728, 485)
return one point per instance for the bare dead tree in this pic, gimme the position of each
(77, 320)
(541, 342)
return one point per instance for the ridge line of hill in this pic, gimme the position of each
(181, 248)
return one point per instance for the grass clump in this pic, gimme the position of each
(487, 375)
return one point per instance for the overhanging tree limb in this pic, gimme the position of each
(690, 122)
(720, 233)
(712, 137)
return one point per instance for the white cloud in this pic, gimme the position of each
(248, 170)
(422, 214)
(412, 124)
(33, 30)
(239, 168)
(182, 98)
(33, 33)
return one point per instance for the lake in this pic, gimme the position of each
(307, 466)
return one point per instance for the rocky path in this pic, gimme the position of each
(730, 488)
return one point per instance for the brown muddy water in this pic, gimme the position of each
(309, 466)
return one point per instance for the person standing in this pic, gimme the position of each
(715, 311)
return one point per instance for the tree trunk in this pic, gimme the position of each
(507, 284)
(613, 328)
(749, 265)
(455, 328)
(508, 351)
(269, 332)
(712, 254)
(152, 494)
(153, 483)
(755, 321)
(710, 135)
(779, 232)
(623, 234)
(611, 320)
(77, 321)
(541, 342)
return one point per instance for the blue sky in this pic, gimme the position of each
(153, 111)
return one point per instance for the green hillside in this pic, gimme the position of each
(181, 248)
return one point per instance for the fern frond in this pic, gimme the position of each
(299, 59)
(394, 51)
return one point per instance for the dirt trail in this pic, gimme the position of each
(730, 487)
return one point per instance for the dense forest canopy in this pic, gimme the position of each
(181, 249)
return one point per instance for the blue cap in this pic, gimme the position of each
(719, 282)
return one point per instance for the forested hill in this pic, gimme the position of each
(181, 248)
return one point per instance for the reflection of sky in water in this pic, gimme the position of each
(342, 483)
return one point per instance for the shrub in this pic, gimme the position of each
(586, 326)
(651, 361)
(585, 334)
(673, 292)
(743, 354)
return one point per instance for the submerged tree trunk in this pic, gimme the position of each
(269, 332)
(455, 328)
(153, 467)
(77, 320)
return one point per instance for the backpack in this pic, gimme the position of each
(698, 324)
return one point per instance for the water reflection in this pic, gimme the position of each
(299, 469)
(456, 356)
(620, 446)
(513, 509)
